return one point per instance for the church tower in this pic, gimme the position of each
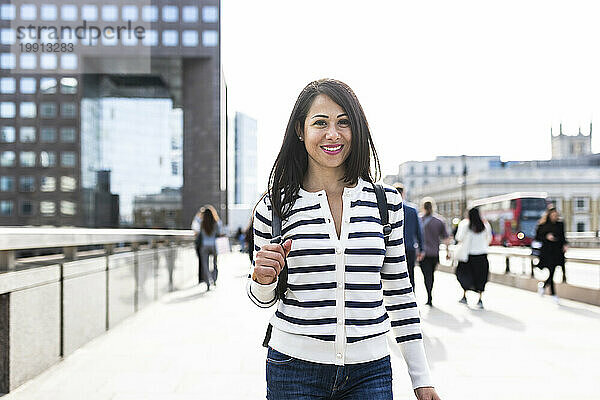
(570, 146)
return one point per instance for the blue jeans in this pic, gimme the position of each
(290, 378)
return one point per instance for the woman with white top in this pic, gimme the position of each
(347, 284)
(474, 235)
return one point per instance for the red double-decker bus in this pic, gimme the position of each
(513, 216)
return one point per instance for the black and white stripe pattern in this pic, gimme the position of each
(376, 290)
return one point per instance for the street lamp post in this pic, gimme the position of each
(463, 207)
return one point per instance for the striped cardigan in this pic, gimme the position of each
(343, 293)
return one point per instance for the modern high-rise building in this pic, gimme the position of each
(66, 68)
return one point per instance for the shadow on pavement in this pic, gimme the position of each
(580, 311)
(182, 298)
(496, 318)
(438, 317)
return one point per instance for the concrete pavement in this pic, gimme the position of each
(207, 345)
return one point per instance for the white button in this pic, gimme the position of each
(347, 220)
(338, 250)
(339, 355)
(340, 322)
(339, 285)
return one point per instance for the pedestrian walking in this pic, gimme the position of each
(207, 227)
(413, 235)
(347, 284)
(551, 233)
(434, 230)
(473, 236)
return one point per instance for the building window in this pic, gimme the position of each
(6, 208)
(150, 38)
(150, 13)
(27, 85)
(28, 61)
(67, 207)
(67, 159)
(210, 38)
(439, 170)
(7, 159)
(425, 170)
(68, 12)
(67, 135)
(452, 170)
(27, 158)
(189, 14)
(8, 85)
(48, 134)
(28, 12)
(210, 14)
(7, 109)
(8, 61)
(27, 134)
(47, 159)
(89, 12)
(110, 13)
(169, 13)
(129, 13)
(68, 110)
(48, 184)
(110, 41)
(68, 61)
(48, 61)
(47, 207)
(87, 39)
(27, 109)
(48, 12)
(7, 36)
(7, 134)
(129, 38)
(7, 183)
(48, 85)
(26, 207)
(581, 204)
(67, 183)
(26, 184)
(7, 12)
(189, 38)
(47, 36)
(174, 168)
(48, 109)
(169, 38)
(581, 227)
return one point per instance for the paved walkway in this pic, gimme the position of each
(197, 345)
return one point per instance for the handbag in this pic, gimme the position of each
(222, 245)
(461, 252)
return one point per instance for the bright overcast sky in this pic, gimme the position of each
(434, 77)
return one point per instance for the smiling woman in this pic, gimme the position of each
(347, 282)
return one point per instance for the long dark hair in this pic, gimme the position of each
(209, 219)
(475, 222)
(291, 164)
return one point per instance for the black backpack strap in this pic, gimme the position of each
(283, 274)
(383, 210)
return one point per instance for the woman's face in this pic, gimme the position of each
(327, 134)
(553, 216)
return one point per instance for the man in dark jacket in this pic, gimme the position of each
(434, 229)
(413, 235)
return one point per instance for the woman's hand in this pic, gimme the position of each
(565, 248)
(269, 262)
(426, 393)
(550, 237)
